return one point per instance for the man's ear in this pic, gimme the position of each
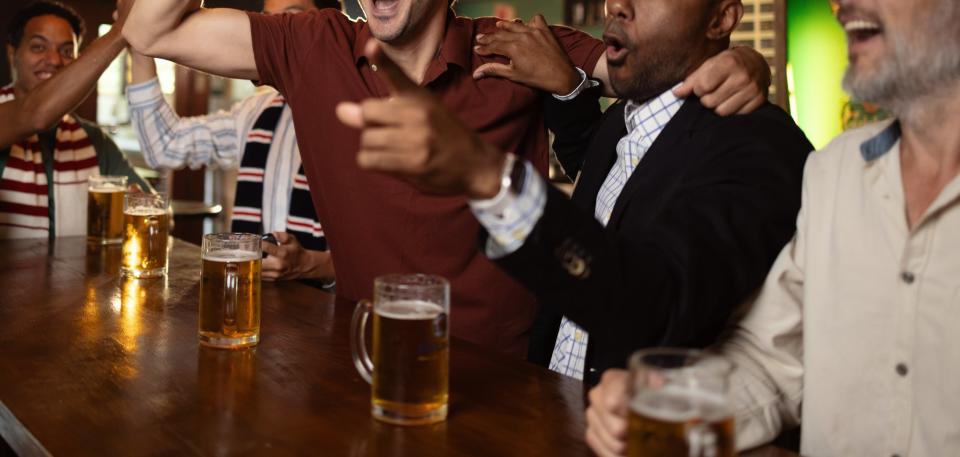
(726, 18)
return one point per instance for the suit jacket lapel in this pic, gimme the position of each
(600, 158)
(662, 163)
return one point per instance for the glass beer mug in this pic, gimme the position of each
(105, 209)
(230, 290)
(409, 370)
(146, 229)
(679, 405)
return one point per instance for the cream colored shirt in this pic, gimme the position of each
(856, 332)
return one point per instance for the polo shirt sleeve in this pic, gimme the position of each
(288, 46)
(584, 50)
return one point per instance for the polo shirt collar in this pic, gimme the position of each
(455, 48)
(881, 143)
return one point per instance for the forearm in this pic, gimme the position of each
(143, 69)
(171, 142)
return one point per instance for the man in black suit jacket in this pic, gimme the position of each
(693, 230)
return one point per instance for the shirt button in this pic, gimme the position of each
(902, 369)
(907, 277)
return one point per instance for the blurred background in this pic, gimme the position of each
(801, 40)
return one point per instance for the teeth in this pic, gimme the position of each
(861, 26)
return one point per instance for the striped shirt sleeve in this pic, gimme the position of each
(510, 218)
(170, 142)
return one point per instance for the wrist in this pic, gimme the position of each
(570, 82)
(486, 180)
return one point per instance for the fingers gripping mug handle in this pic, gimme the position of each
(358, 345)
(230, 290)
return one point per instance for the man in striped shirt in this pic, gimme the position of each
(43, 40)
(257, 138)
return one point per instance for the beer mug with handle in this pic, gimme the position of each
(679, 404)
(409, 367)
(146, 230)
(230, 290)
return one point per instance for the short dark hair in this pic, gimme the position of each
(43, 8)
(321, 4)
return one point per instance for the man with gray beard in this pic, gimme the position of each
(856, 334)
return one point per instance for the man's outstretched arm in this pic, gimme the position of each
(217, 41)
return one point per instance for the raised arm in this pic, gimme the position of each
(49, 101)
(169, 141)
(217, 41)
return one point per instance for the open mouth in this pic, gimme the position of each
(616, 50)
(385, 8)
(43, 75)
(860, 31)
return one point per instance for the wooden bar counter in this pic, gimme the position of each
(93, 364)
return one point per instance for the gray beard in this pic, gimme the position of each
(921, 64)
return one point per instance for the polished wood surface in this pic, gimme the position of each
(92, 364)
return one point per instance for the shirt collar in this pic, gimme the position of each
(661, 109)
(455, 48)
(882, 143)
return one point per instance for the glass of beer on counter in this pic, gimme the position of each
(146, 227)
(410, 365)
(105, 209)
(230, 290)
(679, 404)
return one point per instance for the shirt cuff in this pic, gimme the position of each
(510, 218)
(144, 93)
(585, 83)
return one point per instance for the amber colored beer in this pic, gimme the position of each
(411, 356)
(662, 422)
(105, 215)
(230, 299)
(146, 231)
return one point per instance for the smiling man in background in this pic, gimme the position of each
(43, 174)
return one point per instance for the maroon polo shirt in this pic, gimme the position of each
(377, 224)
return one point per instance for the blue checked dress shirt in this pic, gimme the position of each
(510, 218)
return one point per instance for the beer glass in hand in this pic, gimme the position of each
(679, 405)
(410, 367)
(105, 209)
(146, 227)
(230, 290)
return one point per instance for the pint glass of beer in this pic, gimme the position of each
(230, 290)
(105, 209)
(679, 405)
(146, 226)
(409, 370)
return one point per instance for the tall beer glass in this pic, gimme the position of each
(146, 227)
(679, 405)
(105, 209)
(230, 290)
(409, 371)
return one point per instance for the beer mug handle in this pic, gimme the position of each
(358, 345)
(230, 291)
(702, 441)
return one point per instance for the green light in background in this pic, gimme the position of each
(817, 58)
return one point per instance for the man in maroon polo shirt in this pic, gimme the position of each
(375, 223)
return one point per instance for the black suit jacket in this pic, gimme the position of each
(691, 237)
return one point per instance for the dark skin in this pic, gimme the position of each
(49, 44)
(413, 136)
(733, 81)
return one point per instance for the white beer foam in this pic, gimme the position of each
(231, 255)
(409, 310)
(108, 189)
(144, 211)
(679, 404)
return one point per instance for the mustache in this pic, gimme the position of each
(847, 11)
